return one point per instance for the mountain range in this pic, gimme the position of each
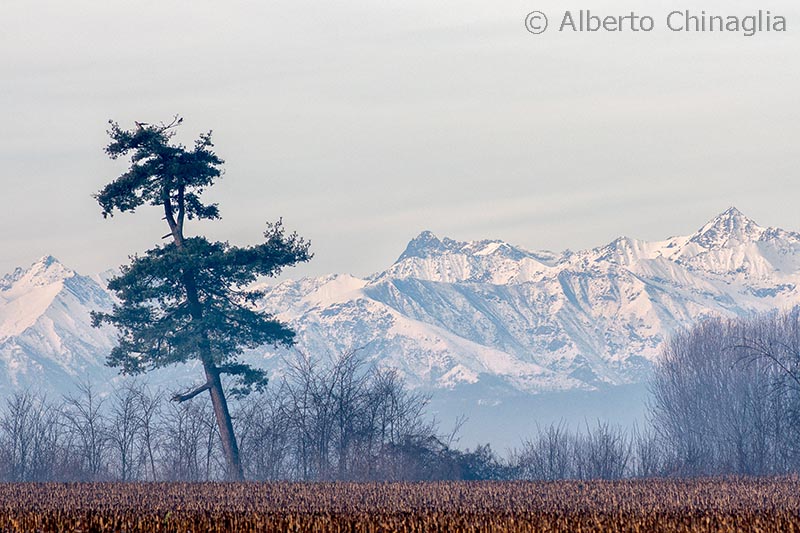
(450, 314)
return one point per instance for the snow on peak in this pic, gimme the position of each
(340, 288)
(46, 261)
(424, 245)
(26, 294)
(447, 260)
(50, 268)
(45, 271)
(731, 226)
(454, 312)
(46, 333)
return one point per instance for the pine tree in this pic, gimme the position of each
(190, 299)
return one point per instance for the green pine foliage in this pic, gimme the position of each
(190, 299)
(161, 170)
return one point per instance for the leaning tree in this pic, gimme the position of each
(190, 299)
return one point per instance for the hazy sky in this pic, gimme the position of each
(363, 123)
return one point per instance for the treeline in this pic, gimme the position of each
(343, 420)
(725, 397)
(340, 420)
(311, 428)
(725, 400)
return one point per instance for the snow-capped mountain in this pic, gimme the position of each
(449, 314)
(46, 338)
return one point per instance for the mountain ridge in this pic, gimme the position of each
(450, 313)
(593, 317)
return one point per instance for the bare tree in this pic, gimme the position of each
(190, 440)
(125, 427)
(725, 396)
(263, 427)
(602, 452)
(648, 453)
(350, 384)
(88, 430)
(18, 427)
(548, 455)
(148, 412)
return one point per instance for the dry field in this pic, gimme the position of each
(651, 505)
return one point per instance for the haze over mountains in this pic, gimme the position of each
(450, 314)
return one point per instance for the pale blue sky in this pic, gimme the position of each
(362, 123)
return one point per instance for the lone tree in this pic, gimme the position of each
(190, 299)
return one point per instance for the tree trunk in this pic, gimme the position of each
(218, 401)
(226, 434)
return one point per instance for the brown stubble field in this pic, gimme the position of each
(575, 506)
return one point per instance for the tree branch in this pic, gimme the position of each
(180, 398)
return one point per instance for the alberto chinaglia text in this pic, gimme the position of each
(686, 21)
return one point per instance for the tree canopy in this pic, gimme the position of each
(191, 298)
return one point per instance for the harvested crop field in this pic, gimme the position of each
(637, 505)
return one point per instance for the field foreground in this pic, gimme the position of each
(639, 505)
